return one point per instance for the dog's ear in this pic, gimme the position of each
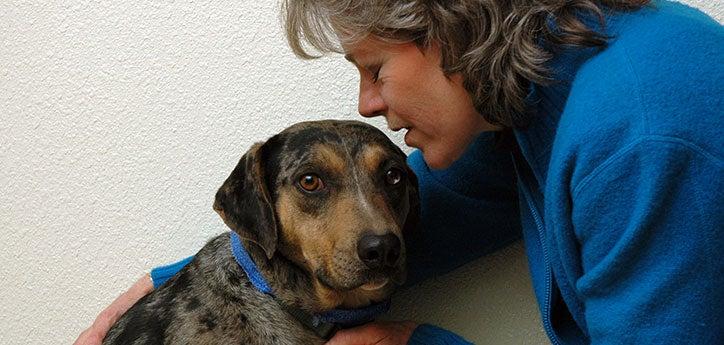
(244, 202)
(413, 197)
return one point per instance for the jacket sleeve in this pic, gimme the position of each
(655, 274)
(466, 211)
(426, 334)
(161, 274)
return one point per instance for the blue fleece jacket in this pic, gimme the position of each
(617, 188)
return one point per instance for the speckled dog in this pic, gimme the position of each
(320, 210)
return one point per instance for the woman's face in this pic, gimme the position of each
(407, 86)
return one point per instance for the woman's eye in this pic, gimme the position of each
(376, 75)
(311, 182)
(393, 176)
(375, 72)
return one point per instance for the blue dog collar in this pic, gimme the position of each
(324, 324)
(247, 264)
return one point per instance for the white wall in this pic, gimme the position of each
(118, 122)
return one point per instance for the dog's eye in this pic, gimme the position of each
(393, 176)
(311, 182)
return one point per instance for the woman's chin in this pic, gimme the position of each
(436, 161)
(438, 158)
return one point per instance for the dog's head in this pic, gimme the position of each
(334, 198)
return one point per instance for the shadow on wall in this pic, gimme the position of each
(493, 301)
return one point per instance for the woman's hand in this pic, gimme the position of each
(107, 318)
(378, 333)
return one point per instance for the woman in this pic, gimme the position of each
(595, 127)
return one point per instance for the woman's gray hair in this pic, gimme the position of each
(499, 46)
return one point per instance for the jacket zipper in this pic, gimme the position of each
(547, 307)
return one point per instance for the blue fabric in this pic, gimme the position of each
(618, 191)
(466, 211)
(161, 274)
(426, 334)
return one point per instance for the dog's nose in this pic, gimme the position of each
(379, 250)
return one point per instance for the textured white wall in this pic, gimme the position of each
(118, 122)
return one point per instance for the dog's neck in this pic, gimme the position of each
(292, 288)
(275, 276)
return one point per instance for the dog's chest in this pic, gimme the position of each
(263, 328)
(231, 309)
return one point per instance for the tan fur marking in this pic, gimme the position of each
(291, 221)
(372, 157)
(330, 158)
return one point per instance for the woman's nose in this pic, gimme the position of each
(370, 101)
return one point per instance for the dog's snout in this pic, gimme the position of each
(379, 250)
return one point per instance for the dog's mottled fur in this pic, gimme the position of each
(304, 243)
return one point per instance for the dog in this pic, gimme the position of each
(317, 215)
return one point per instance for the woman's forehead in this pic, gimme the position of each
(370, 46)
(360, 48)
